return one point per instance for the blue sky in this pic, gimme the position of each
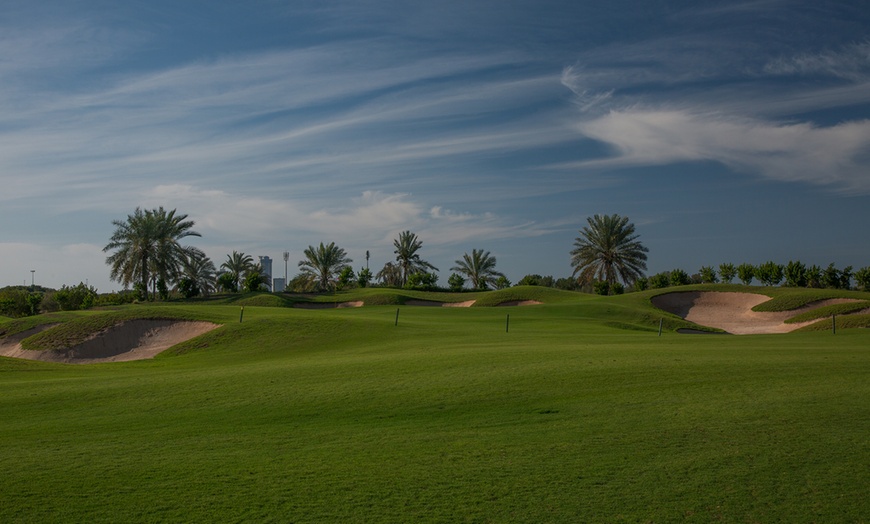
(726, 131)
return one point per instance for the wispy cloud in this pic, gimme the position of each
(851, 62)
(801, 152)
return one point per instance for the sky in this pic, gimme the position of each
(726, 131)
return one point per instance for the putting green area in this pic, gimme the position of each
(574, 410)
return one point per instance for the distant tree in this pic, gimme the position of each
(346, 277)
(147, 247)
(795, 273)
(846, 278)
(456, 282)
(608, 249)
(769, 273)
(708, 275)
(407, 257)
(302, 283)
(324, 263)
(479, 267)
(390, 275)
(237, 265)
(727, 272)
(601, 287)
(363, 277)
(660, 280)
(814, 276)
(831, 277)
(746, 272)
(530, 280)
(641, 284)
(227, 282)
(679, 278)
(617, 288)
(862, 278)
(75, 297)
(256, 281)
(502, 282)
(568, 284)
(422, 281)
(199, 272)
(547, 281)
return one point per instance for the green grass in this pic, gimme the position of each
(580, 413)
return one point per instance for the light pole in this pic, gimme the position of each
(286, 258)
(32, 278)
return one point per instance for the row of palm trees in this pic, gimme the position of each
(149, 254)
(325, 263)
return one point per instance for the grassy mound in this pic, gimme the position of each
(340, 414)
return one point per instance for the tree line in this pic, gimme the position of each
(147, 253)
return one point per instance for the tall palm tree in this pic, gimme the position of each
(238, 265)
(479, 268)
(324, 262)
(148, 247)
(608, 248)
(408, 259)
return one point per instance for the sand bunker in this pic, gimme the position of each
(327, 305)
(732, 312)
(520, 303)
(132, 340)
(433, 303)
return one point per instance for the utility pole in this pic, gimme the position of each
(367, 258)
(32, 278)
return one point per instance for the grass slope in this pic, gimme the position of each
(311, 416)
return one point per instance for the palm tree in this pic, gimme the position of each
(608, 248)
(390, 275)
(408, 260)
(479, 268)
(147, 247)
(323, 263)
(237, 266)
(200, 271)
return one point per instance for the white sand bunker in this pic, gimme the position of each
(327, 305)
(434, 303)
(521, 303)
(732, 312)
(131, 340)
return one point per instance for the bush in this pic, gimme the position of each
(346, 277)
(679, 277)
(641, 284)
(601, 287)
(502, 282)
(456, 282)
(76, 297)
(660, 280)
(422, 281)
(18, 302)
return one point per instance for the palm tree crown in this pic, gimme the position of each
(199, 269)
(323, 263)
(479, 268)
(408, 259)
(608, 248)
(147, 247)
(238, 265)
